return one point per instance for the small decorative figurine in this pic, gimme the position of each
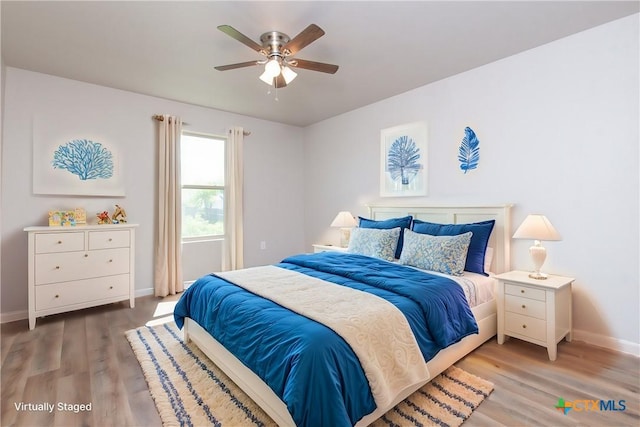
(103, 218)
(119, 215)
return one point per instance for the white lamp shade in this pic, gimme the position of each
(536, 227)
(267, 78)
(273, 68)
(344, 219)
(288, 74)
(271, 71)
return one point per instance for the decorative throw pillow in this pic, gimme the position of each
(403, 222)
(479, 241)
(444, 254)
(378, 243)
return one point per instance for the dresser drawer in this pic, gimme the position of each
(108, 239)
(525, 326)
(67, 266)
(81, 291)
(59, 242)
(524, 291)
(525, 306)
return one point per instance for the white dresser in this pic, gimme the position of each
(77, 267)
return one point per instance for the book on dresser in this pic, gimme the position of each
(78, 267)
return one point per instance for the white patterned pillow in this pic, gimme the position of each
(444, 254)
(374, 242)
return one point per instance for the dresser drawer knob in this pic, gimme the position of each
(522, 291)
(110, 260)
(86, 255)
(57, 267)
(59, 242)
(57, 296)
(110, 287)
(110, 239)
(524, 326)
(524, 306)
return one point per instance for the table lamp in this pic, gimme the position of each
(537, 228)
(345, 221)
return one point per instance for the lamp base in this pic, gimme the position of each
(538, 276)
(345, 235)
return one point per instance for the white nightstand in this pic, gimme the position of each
(323, 248)
(538, 311)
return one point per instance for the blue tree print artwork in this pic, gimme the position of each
(85, 158)
(469, 153)
(402, 160)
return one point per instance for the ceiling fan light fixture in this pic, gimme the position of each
(288, 74)
(272, 68)
(267, 78)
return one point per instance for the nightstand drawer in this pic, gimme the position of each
(525, 306)
(526, 326)
(524, 291)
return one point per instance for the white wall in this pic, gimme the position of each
(558, 130)
(273, 175)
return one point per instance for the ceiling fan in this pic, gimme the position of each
(279, 50)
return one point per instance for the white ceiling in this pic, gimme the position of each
(383, 48)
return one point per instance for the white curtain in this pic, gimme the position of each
(232, 251)
(168, 262)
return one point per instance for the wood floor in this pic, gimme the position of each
(84, 357)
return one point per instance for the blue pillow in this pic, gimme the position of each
(404, 222)
(479, 240)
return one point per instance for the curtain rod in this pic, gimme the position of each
(160, 118)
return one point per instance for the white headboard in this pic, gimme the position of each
(500, 239)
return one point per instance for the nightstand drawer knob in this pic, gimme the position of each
(57, 267)
(57, 296)
(59, 242)
(522, 291)
(524, 326)
(524, 306)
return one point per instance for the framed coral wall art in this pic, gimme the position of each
(403, 160)
(75, 163)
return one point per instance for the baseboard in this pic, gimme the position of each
(13, 316)
(144, 292)
(611, 343)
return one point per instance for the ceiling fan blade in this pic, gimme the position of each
(307, 36)
(313, 65)
(232, 32)
(238, 65)
(279, 82)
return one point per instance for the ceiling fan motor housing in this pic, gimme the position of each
(273, 41)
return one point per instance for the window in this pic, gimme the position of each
(202, 174)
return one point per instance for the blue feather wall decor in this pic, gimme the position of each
(469, 152)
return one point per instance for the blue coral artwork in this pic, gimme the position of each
(84, 158)
(404, 160)
(76, 165)
(469, 151)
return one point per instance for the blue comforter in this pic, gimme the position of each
(310, 367)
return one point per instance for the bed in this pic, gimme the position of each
(436, 349)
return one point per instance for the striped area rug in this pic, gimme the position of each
(189, 390)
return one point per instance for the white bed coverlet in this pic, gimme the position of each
(376, 330)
